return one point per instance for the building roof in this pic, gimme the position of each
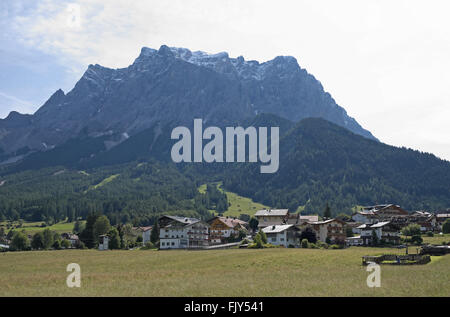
(231, 222)
(325, 221)
(353, 238)
(184, 220)
(377, 225)
(272, 212)
(380, 224)
(366, 212)
(276, 228)
(310, 218)
(443, 215)
(145, 228)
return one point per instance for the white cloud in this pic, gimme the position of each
(386, 62)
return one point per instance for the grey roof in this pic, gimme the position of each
(324, 221)
(184, 220)
(276, 228)
(377, 225)
(380, 224)
(272, 212)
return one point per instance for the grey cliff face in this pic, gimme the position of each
(173, 86)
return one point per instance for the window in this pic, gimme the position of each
(173, 243)
(163, 243)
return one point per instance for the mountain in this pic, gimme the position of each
(321, 162)
(105, 145)
(170, 86)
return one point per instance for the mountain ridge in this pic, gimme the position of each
(173, 85)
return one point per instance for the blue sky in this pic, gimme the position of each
(385, 61)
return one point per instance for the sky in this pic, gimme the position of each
(385, 61)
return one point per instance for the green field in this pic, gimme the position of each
(234, 272)
(33, 227)
(436, 239)
(238, 204)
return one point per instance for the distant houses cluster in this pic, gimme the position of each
(369, 226)
(282, 228)
(384, 223)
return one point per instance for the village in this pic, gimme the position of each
(378, 225)
(372, 226)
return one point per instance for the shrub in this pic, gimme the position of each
(416, 239)
(65, 244)
(56, 245)
(148, 246)
(446, 226)
(245, 241)
(430, 234)
(263, 236)
(258, 241)
(20, 242)
(335, 247)
(304, 243)
(411, 230)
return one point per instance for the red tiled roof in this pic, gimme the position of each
(231, 222)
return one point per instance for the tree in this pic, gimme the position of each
(154, 235)
(374, 238)
(309, 235)
(10, 234)
(416, 239)
(327, 212)
(258, 241)
(87, 235)
(20, 242)
(263, 236)
(244, 217)
(114, 239)
(47, 238)
(78, 227)
(2, 232)
(446, 226)
(253, 224)
(56, 245)
(101, 226)
(411, 230)
(37, 242)
(344, 217)
(304, 243)
(65, 244)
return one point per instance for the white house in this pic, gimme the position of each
(285, 235)
(332, 229)
(354, 241)
(103, 242)
(146, 232)
(368, 216)
(182, 233)
(272, 217)
(385, 231)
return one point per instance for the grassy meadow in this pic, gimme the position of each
(33, 227)
(233, 272)
(238, 204)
